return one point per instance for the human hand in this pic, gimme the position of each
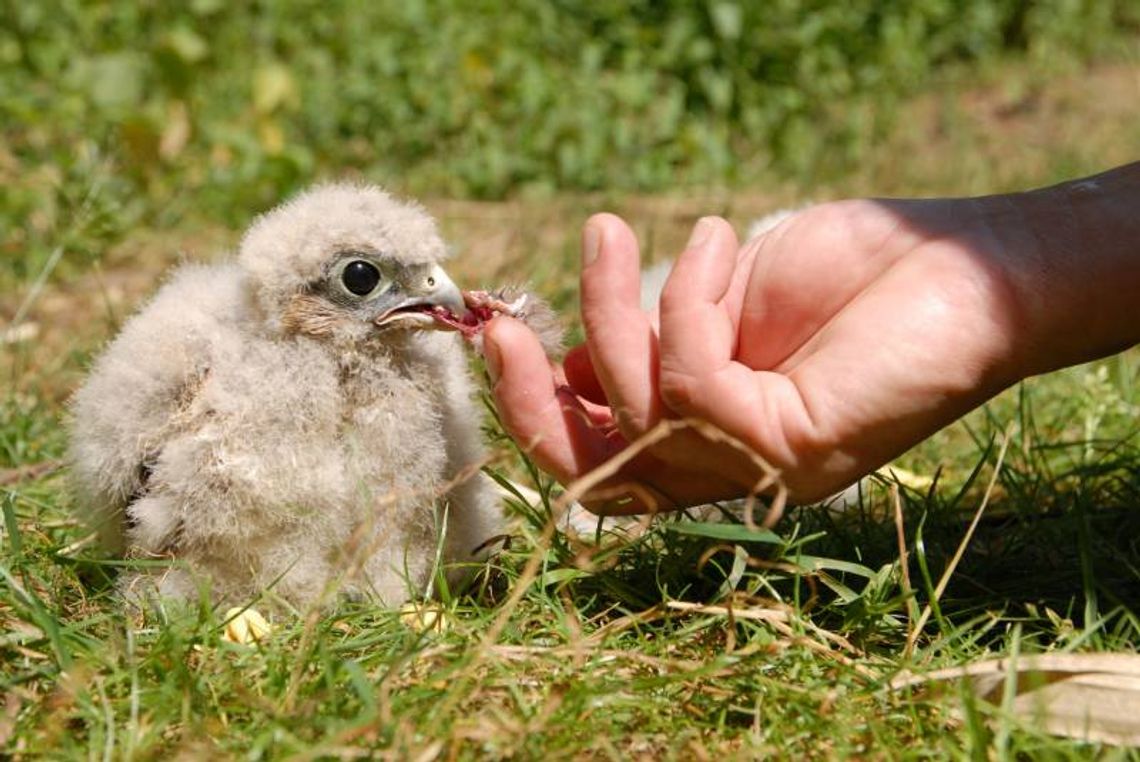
(826, 346)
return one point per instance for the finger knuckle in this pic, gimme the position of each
(679, 390)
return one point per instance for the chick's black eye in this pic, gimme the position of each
(359, 277)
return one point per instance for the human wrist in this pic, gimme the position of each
(1073, 254)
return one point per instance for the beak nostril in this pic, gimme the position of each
(431, 282)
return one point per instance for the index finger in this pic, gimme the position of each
(551, 426)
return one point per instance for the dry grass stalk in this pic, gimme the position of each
(940, 588)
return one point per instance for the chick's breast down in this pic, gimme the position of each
(260, 455)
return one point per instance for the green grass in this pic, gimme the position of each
(593, 658)
(210, 107)
(561, 650)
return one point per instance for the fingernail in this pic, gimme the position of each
(492, 360)
(591, 244)
(702, 232)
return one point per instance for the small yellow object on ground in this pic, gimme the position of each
(907, 478)
(423, 617)
(245, 626)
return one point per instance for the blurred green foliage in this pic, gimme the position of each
(223, 107)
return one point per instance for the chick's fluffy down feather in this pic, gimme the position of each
(258, 458)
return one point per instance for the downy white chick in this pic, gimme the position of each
(289, 420)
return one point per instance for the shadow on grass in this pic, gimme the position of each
(1057, 550)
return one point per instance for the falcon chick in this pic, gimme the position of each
(292, 419)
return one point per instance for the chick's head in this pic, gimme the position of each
(348, 263)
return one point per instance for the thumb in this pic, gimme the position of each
(698, 335)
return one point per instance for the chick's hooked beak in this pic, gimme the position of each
(430, 294)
